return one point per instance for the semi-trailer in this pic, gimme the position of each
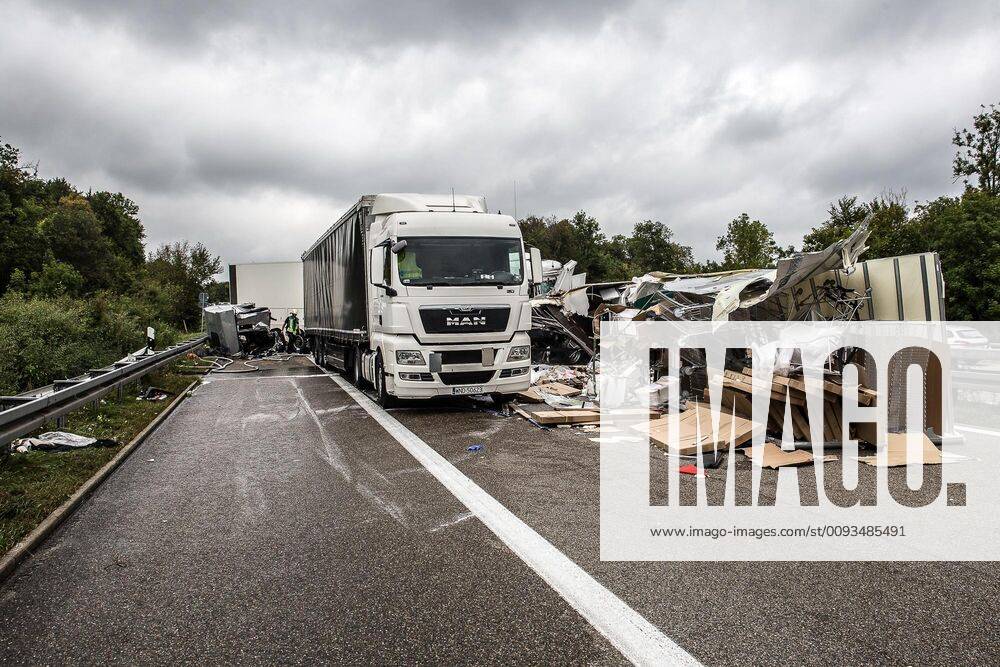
(422, 296)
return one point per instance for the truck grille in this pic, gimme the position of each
(464, 319)
(470, 377)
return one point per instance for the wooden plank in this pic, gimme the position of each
(730, 398)
(557, 388)
(831, 417)
(734, 380)
(801, 421)
(866, 396)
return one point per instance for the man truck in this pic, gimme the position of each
(422, 296)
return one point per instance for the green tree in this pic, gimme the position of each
(578, 238)
(844, 216)
(119, 218)
(57, 279)
(978, 152)
(748, 244)
(74, 236)
(651, 247)
(892, 230)
(176, 273)
(218, 292)
(965, 231)
(21, 246)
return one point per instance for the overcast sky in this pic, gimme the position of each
(251, 126)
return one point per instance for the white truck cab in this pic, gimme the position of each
(446, 297)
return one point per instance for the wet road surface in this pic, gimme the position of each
(272, 519)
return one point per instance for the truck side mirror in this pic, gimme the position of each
(389, 291)
(398, 246)
(536, 266)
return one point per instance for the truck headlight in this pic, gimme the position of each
(519, 353)
(409, 357)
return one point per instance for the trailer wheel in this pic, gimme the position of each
(382, 397)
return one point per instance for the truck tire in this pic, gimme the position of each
(382, 397)
(501, 400)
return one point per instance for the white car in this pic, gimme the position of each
(966, 337)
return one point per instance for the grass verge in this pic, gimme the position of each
(34, 484)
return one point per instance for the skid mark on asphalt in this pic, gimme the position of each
(334, 455)
(366, 482)
(636, 638)
(454, 521)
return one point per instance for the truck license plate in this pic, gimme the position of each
(467, 390)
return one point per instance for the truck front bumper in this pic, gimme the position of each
(452, 379)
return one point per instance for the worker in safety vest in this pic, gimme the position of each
(408, 269)
(291, 325)
(290, 329)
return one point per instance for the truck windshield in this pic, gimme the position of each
(460, 260)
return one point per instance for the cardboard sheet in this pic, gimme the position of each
(699, 416)
(776, 457)
(896, 455)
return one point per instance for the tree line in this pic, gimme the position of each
(77, 287)
(963, 230)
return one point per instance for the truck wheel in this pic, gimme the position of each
(501, 400)
(382, 397)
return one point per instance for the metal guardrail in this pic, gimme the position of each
(976, 381)
(25, 412)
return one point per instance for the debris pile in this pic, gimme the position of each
(805, 286)
(828, 285)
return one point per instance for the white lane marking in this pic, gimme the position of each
(981, 431)
(638, 640)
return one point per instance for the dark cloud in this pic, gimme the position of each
(346, 24)
(250, 124)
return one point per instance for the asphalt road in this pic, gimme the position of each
(272, 519)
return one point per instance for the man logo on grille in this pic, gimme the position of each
(466, 321)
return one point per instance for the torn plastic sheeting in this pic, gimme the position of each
(564, 280)
(58, 441)
(728, 288)
(800, 267)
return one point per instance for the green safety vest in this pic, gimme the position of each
(292, 323)
(408, 269)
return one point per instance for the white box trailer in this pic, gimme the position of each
(277, 285)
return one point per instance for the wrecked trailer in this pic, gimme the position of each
(827, 285)
(831, 285)
(234, 328)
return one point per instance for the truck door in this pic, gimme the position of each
(381, 276)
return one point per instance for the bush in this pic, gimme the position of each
(45, 339)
